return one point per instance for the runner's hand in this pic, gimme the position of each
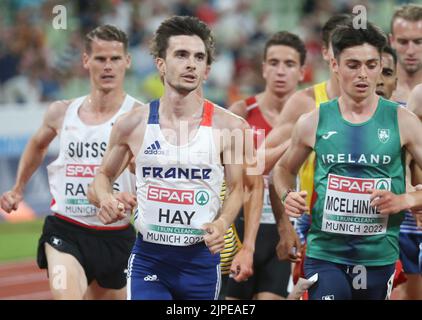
(417, 212)
(242, 265)
(387, 202)
(289, 247)
(111, 210)
(128, 199)
(214, 237)
(295, 204)
(9, 201)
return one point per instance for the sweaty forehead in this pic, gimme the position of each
(361, 53)
(188, 43)
(407, 29)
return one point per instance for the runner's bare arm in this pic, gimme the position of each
(242, 265)
(289, 246)
(285, 171)
(233, 160)
(414, 103)
(278, 139)
(252, 209)
(411, 134)
(34, 154)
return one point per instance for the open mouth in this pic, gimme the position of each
(380, 93)
(107, 77)
(361, 86)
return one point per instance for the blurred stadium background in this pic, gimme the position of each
(39, 64)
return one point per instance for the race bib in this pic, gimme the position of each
(75, 187)
(347, 207)
(174, 216)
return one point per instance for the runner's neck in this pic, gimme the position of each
(176, 107)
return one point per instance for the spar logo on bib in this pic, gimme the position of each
(177, 196)
(356, 185)
(81, 170)
(167, 195)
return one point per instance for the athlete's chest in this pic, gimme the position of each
(179, 133)
(374, 144)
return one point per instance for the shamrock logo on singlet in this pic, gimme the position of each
(383, 135)
(202, 198)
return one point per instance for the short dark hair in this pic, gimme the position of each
(410, 12)
(289, 39)
(389, 50)
(332, 23)
(347, 36)
(108, 33)
(182, 25)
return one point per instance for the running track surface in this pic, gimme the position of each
(23, 281)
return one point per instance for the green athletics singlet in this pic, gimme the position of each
(351, 158)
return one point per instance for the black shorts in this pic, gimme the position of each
(270, 274)
(102, 254)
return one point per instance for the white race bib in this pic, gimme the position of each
(347, 207)
(175, 216)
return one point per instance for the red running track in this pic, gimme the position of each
(23, 281)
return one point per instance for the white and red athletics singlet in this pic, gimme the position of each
(178, 187)
(82, 148)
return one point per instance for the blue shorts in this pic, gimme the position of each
(410, 252)
(348, 282)
(162, 272)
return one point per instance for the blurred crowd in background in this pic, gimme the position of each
(39, 63)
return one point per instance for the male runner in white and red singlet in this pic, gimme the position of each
(89, 257)
(181, 157)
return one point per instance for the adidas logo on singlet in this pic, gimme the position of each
(154, 148)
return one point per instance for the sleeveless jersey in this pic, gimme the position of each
(178, 187)
(261, 128)
(81, 151)
(351, 158)
(306, 172)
